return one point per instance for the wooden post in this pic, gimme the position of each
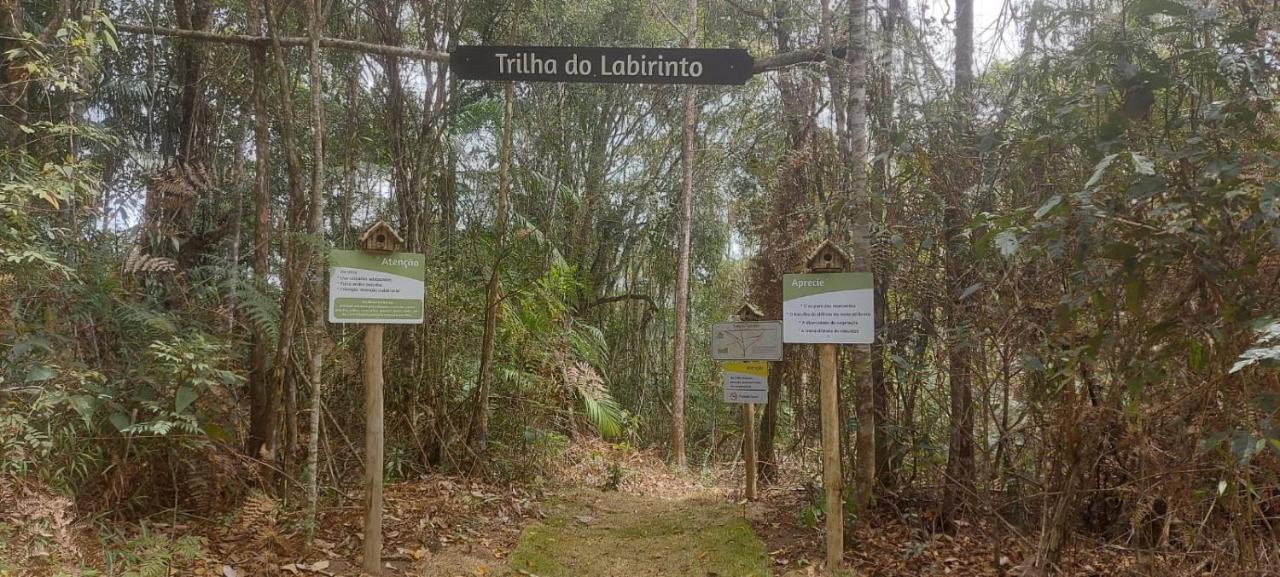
(831, 479)
(749, 313)
(749, 447)
(373, 438)
(381, 238)
(828, 258)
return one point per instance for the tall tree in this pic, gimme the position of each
(263, 396)
(297, 251)
(687, 127)
(865, 472)
(883, 173)
(960, 465)
(479, 433)
(315, 217)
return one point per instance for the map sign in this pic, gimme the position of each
(747, 341)
(836, 308)
(745, 381)
(376, 287)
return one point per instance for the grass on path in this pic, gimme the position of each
(594, 534)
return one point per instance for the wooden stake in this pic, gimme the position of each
(373, 438)
(749, 447)
(828, 258)
(831, 479)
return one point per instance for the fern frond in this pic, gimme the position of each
(151, 320)
(144, 263)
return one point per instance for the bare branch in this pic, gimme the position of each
(287, 41)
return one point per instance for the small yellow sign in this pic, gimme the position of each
(753, 368)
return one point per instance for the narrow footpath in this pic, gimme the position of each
(590, 533)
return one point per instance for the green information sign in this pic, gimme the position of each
(828, 308)
(376, 287)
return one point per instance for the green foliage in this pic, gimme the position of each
(152, 554)
(1265, 350)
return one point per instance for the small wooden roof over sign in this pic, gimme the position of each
(381, 237)
(749, 312)
(828, 257)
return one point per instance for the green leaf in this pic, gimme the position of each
(1135, 290)
(119, 420)
(1048, 205)
(186, 395)
(219, 433)
(1007, 242)
(1099, 170)
(40, 373)
(1142, 164)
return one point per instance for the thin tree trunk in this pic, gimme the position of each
(682, 264)
(297, 255)
(263, 392)
(960, 467)
(865, 471)
(836, 79)
(479, 433)
(314, 223)
(767, 470)
(886, 476)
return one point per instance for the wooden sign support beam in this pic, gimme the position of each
(379, 238)
(828, 258)
(373, 448)
(749, 313)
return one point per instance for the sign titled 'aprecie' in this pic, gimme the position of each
(592, 64)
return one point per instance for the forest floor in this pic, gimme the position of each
(603, 511)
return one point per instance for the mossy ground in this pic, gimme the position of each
(594, 534)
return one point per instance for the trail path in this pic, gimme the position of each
(595, 534)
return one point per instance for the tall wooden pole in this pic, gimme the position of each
(828, 258)
(373, 437)
(749, 447)
(749, 313)
(831, 479)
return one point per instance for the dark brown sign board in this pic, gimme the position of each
(593, 64)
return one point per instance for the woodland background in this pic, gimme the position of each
(1076, 243)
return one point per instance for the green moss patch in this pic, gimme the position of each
(591, 534)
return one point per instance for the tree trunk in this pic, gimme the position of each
(960, 466)
(191, 15)
(682, 265)
(478, 439)
(865, 470)
(263, 392)
(314, 222)
(298, 253)
(768, 468)
(886, 476)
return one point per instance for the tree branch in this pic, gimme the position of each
(287, 41)
(804, 56)
(622, 297)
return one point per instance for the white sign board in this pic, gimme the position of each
(376, 287)
(747, 341)
(745, 381)
(836, 308)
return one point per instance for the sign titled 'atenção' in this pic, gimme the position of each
(588, 64)
(376, 287)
